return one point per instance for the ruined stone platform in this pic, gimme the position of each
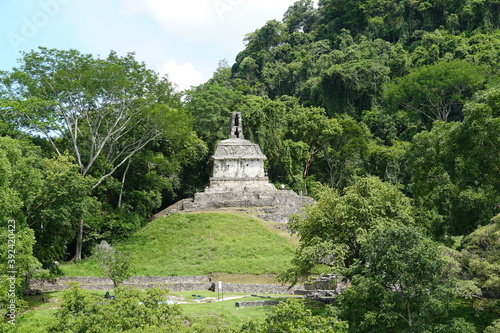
(269, 203)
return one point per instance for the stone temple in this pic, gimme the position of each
(238, 164)
(238, 180)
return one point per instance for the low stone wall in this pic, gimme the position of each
(172, 283)
(331, 282)
(176, 207)
(256, 303)
(253, 288)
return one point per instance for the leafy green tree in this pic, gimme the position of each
(45, 196)
(494, 327)
(388, 127)
(18, 265)
(480, 258)
(344, 159)
(211, 106)
(103, 111)
(454, 168)
(332, 231)
(311, 126)
(303, 143)
(293, 316)
(437, 91)
(300, 16)
(19, 180)
(53, 212)
(116, 264)
(389, 162)
(402, 283)
(131, 310)
(265, 122)
(351, 77)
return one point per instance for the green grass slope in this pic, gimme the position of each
(198, 244)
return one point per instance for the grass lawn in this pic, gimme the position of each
(232, 247)
(203, 312)
(202, 243)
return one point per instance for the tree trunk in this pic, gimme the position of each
(123, 184)
(79, 241)
(306, 169)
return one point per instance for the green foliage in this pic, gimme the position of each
(480, 257)
(300, 16)
(333, 230)
(53, 212)
(303, 144)
(292, 316)
(346, 155)
(19, 182)
(314, 129)
(454, 168)
(17, 264)
(102, 112)
(115, 264)
(495, 327)
(331, 94)
(437, 91)
(46, 195)
(211, 105)
(402, 283)
(131, 310)
(396, 20)
(389, 162)
(352, 76)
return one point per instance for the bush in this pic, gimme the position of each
(130, 310)
(292, 316)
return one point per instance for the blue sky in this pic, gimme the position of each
(185, 39)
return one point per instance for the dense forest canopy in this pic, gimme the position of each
(386, 111)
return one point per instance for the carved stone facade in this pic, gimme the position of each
(237, 163)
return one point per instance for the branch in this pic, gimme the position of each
(136, 149)
(45, 133)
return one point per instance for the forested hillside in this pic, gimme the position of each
(386, 111)
(394, 107)
(403, 90)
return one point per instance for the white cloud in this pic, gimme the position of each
(171, 12)
(221, 22)
(183, 75)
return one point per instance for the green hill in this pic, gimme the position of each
(201, 243)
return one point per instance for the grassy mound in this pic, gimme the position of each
(198, 244)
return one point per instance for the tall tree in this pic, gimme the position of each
(455, 168)
(438, 91)
(312, 127)
(480, 257)
(103, 110)
(19, 181)
(300, 16)
(403, 283)
(332, 231)
(53, 210)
